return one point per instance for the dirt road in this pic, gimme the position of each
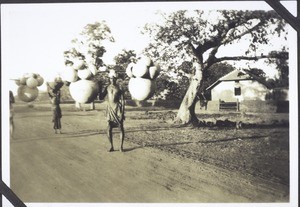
(76, 167)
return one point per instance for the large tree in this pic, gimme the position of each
(198, 36)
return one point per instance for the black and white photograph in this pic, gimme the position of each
(171, 103)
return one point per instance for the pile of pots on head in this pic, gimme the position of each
(28, 83)
(84, 89)
(80, 76)
(142, 76)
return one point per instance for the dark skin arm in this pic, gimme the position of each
(122, 100)
(50, 91)
(103, 93)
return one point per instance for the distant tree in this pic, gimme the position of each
(124, 58)
(257, 72)
(214, 73)
(169, 88)
(89, 45)
(197, 36)
(283, 71)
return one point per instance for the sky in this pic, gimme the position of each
(34, 36)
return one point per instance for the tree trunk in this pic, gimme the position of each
(186, 113)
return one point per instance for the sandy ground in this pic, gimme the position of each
(76, 167)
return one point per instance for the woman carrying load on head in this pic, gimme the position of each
(56, 112)
(54, 94)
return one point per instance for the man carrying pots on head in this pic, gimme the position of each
(115, 114)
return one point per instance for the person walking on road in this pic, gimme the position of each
(115, 109)
(54, 94)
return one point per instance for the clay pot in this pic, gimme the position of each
(129, 70)
(140, 70)
(27, 94)
(23, 80)
(154, 72)
(32, 82)
(84, 91)
(78, 64)
(141, 88)
(40, 80)
(84, 74)
(145, 61)
(69, 74)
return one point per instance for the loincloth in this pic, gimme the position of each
(114, 115)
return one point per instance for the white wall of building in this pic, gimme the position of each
(250, 90)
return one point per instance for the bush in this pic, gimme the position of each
(279, 94)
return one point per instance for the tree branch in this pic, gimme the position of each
(196, 52)
(220, 38)
(226, 41)
(280, 55)
(211, 59)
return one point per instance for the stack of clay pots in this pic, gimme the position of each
(80, 74)
(142, 75)
(28, 84)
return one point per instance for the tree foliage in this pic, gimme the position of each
(199, 36)
(185, 35)
(283, 69)
(89, 45)
(124, 58)
(169, 88)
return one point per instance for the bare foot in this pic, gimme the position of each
(121, 149)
